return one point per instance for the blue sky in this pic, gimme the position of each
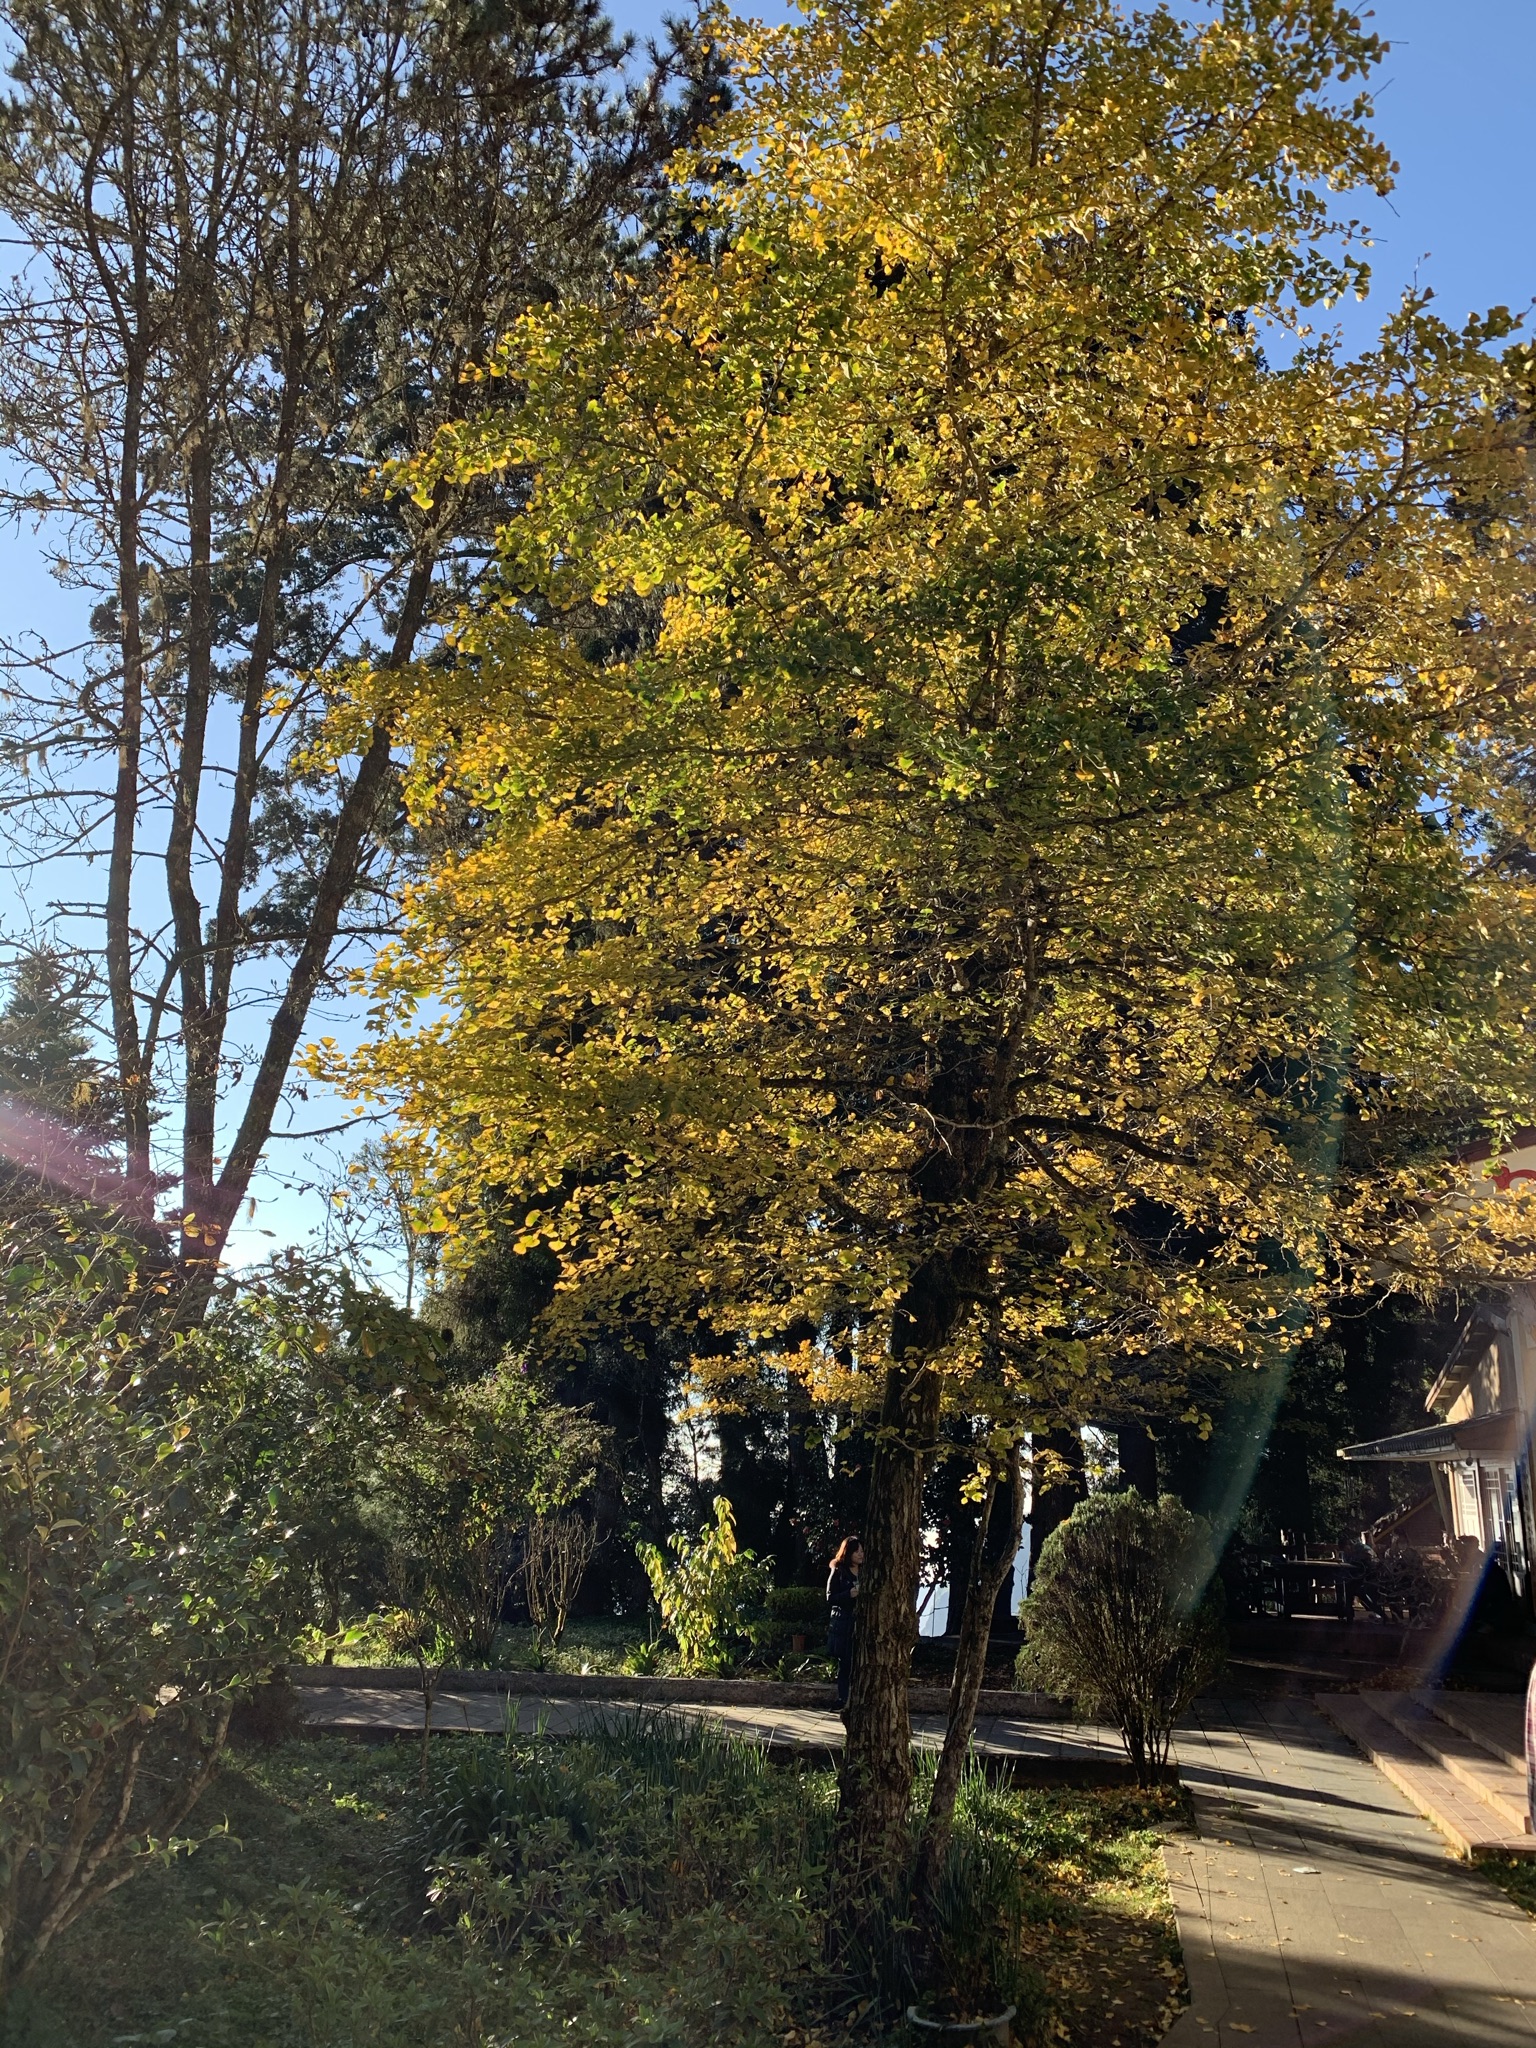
(1454, 104)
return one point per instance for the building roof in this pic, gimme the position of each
(1472, 1340)
(1499, 1438)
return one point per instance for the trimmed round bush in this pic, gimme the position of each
(1125, 1618)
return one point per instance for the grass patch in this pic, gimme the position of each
(1514, 1875)
(594, 1644)
(1103, 1935)
(629, 1888)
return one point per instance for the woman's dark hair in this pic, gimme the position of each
(846, 1548)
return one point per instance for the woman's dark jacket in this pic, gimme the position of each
(842, 1590)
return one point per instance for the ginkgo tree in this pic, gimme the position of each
(997, 767)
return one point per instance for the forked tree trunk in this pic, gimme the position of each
(998, 1530)
(875, 1787)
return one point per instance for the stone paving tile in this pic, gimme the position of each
(376, 1710)
(1316, 1908)
(1490, 1778)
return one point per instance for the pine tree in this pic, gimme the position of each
(60, 1134)
(268, 245)
(48, 1058)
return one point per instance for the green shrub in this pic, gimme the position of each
(336, 1373)
(148, 1576)
(1125, 1618)
(711, 1597)
(457, 1492)
(788, 1612)
(802, 1608)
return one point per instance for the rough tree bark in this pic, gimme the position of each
(871, 1847)
(875, 1785)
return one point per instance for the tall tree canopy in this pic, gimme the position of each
(1002, 806)
(262, 243)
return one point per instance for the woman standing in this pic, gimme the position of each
(842, 1591)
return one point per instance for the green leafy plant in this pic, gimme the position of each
(643, 1660)
(147, 1576)
(973, 1917)
(341, 1375)
(321, 1978)
(1125, 1617)
(455, 1494)
(802, 1667)
(646, 1834)
(457, 1491)
(711, 1594)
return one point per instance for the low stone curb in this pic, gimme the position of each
(676, 1692)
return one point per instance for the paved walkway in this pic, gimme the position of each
(1052, 1746)
(1315, 1906)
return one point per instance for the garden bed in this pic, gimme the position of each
(305, 1923)
(608, 1646)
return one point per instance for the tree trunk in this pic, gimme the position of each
(996, 1547)
(257, 253)
(1137, 1454)
(339, 876)
(955, 1515)
(1060, 1494)
(875, 1785)
(749, 1479)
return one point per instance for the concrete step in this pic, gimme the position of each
(1495, 1721)
(1489, 1776)
(1468, 1822)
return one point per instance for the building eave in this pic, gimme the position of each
(1500, 1439)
